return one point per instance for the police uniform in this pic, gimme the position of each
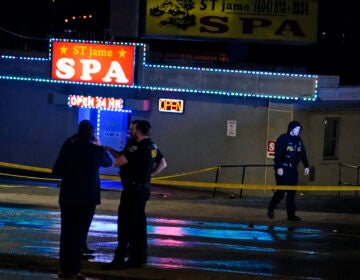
(135, 178)
(289, 151)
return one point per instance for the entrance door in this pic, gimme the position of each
(111, 128)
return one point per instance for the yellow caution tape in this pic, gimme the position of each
(161, 181)
(254, 186)
(24, 167)
(186, 173)
(29, 177)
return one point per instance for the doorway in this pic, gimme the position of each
(111, 128)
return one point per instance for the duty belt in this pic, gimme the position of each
(139, 186)
(287, 164)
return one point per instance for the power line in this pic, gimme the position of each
(22, 36)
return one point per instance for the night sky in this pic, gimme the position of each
(40, 17)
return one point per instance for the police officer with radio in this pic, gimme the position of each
(139, 161)
(289, 151)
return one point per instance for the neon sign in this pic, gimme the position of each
(95, 102)
(93, 63)
(171, 105)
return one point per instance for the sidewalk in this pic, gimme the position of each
(340, 213)
(181, 202)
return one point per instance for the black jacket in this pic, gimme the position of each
(78, 166)
(290, 150)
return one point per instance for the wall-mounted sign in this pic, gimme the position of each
(279, 20)
(171, 105)
(92, 63)
(231, 128)
(95, 102)
(270, 153)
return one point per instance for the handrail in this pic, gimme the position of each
(357, 167)
(244, 166)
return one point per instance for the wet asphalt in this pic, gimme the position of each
(327, 214)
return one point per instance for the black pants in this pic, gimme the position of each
(85, 246)
(290, 178)
(132, 225)
(75, 221)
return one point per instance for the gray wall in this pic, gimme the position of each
(349, 148)
(32, 129)
(34, 126)
(197, 138)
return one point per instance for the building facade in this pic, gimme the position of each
(205, 130)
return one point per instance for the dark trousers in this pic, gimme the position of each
(75, 221)
(91, 214)
(132, 225)
(290, 178)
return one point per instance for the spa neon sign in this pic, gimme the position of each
(93, 63)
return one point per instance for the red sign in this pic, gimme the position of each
(271, 149)
(94, 102)
(93, 63)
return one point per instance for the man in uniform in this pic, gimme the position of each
(139, 161)
(289, 151)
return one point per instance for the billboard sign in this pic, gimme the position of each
(275, 20)
(92, 63)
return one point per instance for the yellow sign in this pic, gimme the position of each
(276, 20)
(171, 105)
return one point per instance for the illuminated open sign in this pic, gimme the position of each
(95, 102)
(171, 105)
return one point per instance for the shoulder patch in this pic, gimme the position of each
(153, 153)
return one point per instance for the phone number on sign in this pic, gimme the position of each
(282, 7)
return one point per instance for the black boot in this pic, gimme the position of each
(294, 218)
(271, 214)
(115, 264)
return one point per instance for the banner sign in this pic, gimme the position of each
(276, 20)
(95, 102)
(92, 63)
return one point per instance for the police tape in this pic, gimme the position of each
(25, 167)
(29, 177)
(253, 186)
(186, 173)
(161, 181)
(182, 174)
(110, 177)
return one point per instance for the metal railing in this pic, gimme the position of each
(243, 166)
(341, 173)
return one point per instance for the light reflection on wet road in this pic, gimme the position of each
(249, 249)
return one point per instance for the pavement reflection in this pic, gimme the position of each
(225, 238)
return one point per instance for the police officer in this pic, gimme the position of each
(139, 161)
(289, 151)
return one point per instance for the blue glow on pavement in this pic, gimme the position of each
(40, 232)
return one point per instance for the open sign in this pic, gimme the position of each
(171, 105)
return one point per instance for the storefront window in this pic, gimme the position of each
(331, 136)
